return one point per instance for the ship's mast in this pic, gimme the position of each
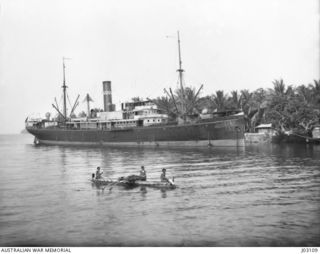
(64, 90)
(180, 70)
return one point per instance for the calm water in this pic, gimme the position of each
(257, 196)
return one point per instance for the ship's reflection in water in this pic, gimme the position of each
(253, 196)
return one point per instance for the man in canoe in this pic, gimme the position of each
(143, 174)
(99, 173)
(163, 177)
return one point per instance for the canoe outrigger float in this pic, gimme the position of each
(152, 184)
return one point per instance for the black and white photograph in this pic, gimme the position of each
(159, 123)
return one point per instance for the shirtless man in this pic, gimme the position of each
(163, 177)
(99, 173)
(143, 174)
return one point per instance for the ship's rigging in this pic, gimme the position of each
(65, 97)
(183, 104)
(64, 87)
(184, 99)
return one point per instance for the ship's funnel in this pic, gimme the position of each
(107, 96)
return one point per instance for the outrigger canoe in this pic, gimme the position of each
(152, 184)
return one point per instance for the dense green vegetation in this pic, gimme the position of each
(288, 108)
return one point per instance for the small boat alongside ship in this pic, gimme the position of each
(139, 123)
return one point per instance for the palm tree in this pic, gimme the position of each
(192, 100)
(220, 100)
(258, 105)
(182, 104)
(245, 100)
(304, 93)
(246, 107)
(253, 106)
(235, 100)
(315, 90)
(206, 103)
(284, 105)
(316, 86)
(166, 105)
(187, 101)
(279, 88)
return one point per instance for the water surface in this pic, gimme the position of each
(253, 196)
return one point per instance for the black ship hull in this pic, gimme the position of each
(226, 132)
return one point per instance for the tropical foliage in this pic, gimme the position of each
(287, 107)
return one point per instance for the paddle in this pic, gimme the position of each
(171, 182)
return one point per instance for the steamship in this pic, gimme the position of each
(138, 123)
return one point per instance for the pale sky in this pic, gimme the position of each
(226, 44)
